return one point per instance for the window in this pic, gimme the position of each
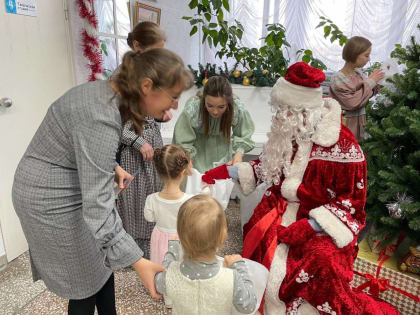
(114, 26)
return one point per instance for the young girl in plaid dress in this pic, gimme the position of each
(136, 152)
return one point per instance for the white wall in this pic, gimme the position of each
(35, 70)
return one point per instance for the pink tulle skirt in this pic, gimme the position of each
(159, 244)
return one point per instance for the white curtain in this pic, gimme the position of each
(384, 22)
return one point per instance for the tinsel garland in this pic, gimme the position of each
(89, 39)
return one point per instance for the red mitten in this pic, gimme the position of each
(296, 234)
(220, 172)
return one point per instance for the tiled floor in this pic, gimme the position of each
(19, 295)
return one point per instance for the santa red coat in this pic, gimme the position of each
(311, 274)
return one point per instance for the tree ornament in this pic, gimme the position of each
(237, 73)
(246, 81)
(394, 208)
(249, 74)
(205, 78)
(265, 72)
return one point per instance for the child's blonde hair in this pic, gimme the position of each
(170, 161)
(354, 47)
(201, 226)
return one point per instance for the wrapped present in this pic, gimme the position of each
(411, 261)
(380, 277)
(375, 245)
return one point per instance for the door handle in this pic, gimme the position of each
(5, 102)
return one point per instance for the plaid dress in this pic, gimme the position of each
(130, 203)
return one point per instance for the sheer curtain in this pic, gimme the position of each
(384, 22)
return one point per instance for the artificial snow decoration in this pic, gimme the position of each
(389, 67)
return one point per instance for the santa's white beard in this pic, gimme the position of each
(288, 125)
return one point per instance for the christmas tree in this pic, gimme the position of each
(393, 152)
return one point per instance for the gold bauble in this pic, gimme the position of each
(246, 81)
(204, 81)
(249, 73)
(236, 73)
(403, 267)
(265, 72)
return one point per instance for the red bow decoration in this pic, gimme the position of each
(375, 285)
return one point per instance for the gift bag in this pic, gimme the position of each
(250, 202)
(220, 190)
(258, 274)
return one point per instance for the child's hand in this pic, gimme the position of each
(147, 152)
(167, 116)
(231, 259)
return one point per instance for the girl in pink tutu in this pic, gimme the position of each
(172, 163)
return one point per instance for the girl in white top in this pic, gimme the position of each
(172, 163)
(194, 279)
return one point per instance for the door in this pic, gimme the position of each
(35, 69)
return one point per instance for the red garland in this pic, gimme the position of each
(90, 43)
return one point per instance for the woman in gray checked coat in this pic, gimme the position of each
(63, 187)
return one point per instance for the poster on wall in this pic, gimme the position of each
(24, 7)
(146, 12)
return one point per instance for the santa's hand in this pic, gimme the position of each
(233, 172)
(220, 172)
(315, 225)
(296, 234)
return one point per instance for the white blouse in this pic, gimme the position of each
(163, 211)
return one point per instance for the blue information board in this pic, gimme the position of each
(11, 6)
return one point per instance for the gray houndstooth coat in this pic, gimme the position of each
(63, 194)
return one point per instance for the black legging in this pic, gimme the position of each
(104, 300)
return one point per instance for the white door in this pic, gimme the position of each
(35, 69)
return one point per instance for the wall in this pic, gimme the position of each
(176, 29)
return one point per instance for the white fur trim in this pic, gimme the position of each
(292, 182)
(339, 232)
(289, 216)
(273, 305)
(246, 177)
(307, 309)
(285, 93)
(328, 130)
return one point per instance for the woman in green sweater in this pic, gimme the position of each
(214, 126)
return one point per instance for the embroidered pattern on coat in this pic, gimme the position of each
(303, 277)
(326, 308)
(360, 185)
(293, 309)
(342, 215)
(347, 203)
(331, 193)
(343, 152)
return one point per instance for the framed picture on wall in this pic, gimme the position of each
(146, 12)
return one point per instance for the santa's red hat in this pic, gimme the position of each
(300, 87)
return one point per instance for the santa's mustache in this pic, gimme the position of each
(288, 128)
